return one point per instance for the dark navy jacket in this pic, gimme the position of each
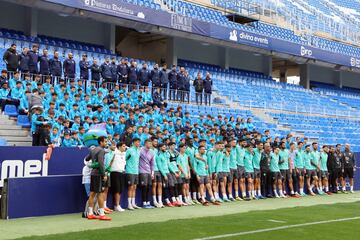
(44, 65)
(172, 76)
(181, 79)
(207, 85)
(95, 72)
(24, 62)
(33, 62)
(132, 75)
(84, 69)
(69, 68)
(164, 78)
(122, 71)
(144, 77)
(155, 78)
(106, 70)
(55, 67)
(113, 67)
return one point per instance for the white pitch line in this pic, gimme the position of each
(278, 228)
(276, 221)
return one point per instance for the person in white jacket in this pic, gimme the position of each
(117, 175)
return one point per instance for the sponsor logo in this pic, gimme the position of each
(253, 38)
(305, 52)
(181, 22)
(117, 8)
(355, 62)
(233, 36)
(20, 168)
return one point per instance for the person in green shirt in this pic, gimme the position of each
(201, 170)
(183, 165)
(256, 163)
(212, 157)
(310, 170)
(225, 184)
(194, 185)
(234, 173)
(285, 169)
(132, 158)
(249, 170)
(157, 180)
(323, 168)
(175, 175)
(316, 163)
(240, 152)
(275, 172)
(299, 167)
(219, 156)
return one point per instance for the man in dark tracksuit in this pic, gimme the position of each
(187, 87)
(44, 64)
(207, 89)
(348, 166)
(156, 78)
(11, 58)
(113, 68)
(34, 59)
(55, 65)
(199, 88)
(122, 71)
(133, 76)
(98, 179)
(164, 81)
(95, 71)
(265, 171)
(84, 68)
(334, 168)
(181, 78)
(69, 67)
(24, 59)
(172, 78)
(144, 76)
(106, 70)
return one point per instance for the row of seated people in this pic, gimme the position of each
(109, 71)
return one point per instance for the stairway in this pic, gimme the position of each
(14, 134)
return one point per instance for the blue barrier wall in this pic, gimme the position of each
(54, 183)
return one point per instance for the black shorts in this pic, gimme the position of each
(324, 174)
(96, 184)
(171, 180)
(145, 179)
(300, 172)
(241, 170)
(285, 173)
(249, 175)
(185, 180)
(158, 177)
(132, 179)
(203, 179)
(311, 173)
(257, 173)
(336, 173)
(234, 174)
(117, 180)
(276, 176)
(348, 172)
(223, 175)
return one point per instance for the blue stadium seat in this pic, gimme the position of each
(10, 110)
(23, 120)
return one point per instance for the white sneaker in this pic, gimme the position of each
(282, 196)
(352, 191)
(157, 205)
(119, 209)
(136, 207)
(130, 207)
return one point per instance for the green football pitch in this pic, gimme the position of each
(320, 217)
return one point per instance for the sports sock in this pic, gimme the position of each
(281, 192)
(180, 198)
(230, 196)
(216, 194)
(249, 192)
(105, 206)
(129, 202)
(90, 211)
(154, 199)
(236, 194)
(101, 212)
(301, 190)
(259, 193)
(173, 199)
(351, 188)
(243, 194)
(326, 189)
(167, 200)
(159, 199)
(194, 195)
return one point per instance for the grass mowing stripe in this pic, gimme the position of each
(277, 228)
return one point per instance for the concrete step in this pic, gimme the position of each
(14, 132)
(18, 139)
(9, 126)
(19, 143)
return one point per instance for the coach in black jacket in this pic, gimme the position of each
(11, 58)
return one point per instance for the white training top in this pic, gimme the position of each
(118, 165)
